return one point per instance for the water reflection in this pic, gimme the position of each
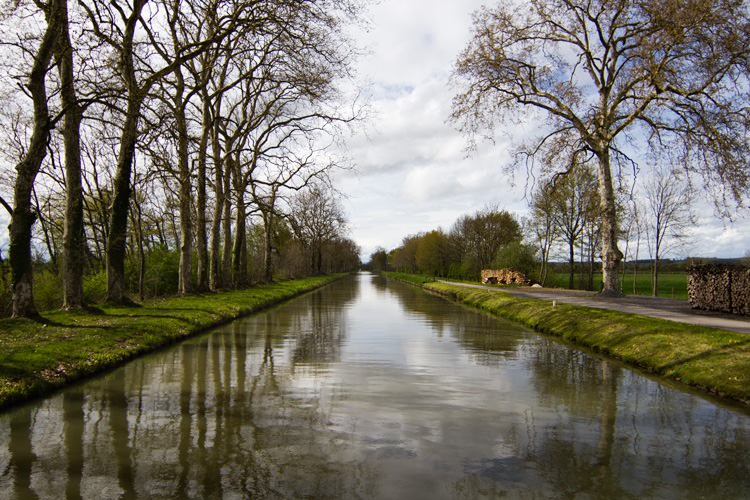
(372, 389)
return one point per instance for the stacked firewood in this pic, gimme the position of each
(504, 277)
(719, 287)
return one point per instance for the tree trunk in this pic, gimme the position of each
(185, 273)
(22, 217)
(268, 250)
(226, 252)
(201, 241)
(141, 252)
(611, 255)
(118, 219)
(214, 281)
(74, 254)
(572, 261)
(239, 271)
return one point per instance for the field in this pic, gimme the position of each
(671, 284)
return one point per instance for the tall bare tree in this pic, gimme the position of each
(572, 204)
(602, 71)
(74, 255)
(542, 227)
(22, 214)
(126, 28)
(316, 219)
(668, 205)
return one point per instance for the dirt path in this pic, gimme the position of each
(657, 307)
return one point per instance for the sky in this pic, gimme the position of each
(413, 173)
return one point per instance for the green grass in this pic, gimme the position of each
(671, 284)
(416, 279)
(38, 356)
(715, 361)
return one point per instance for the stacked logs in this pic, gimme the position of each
(504, 277)
(719, 287)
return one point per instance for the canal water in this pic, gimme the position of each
(370, 388)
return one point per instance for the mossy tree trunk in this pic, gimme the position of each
(23, 217)
(74, 257)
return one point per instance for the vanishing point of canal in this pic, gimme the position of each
(370, 388)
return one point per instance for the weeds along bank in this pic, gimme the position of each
(39, 356)
(714, 361)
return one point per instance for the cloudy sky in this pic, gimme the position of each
(413, 173)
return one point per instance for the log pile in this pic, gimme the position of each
(504, 277)
(719, 287)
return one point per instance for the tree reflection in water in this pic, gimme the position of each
(373, 389)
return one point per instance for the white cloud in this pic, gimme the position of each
(412, 171)
(413, 174)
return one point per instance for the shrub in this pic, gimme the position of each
(95, 287)
(48, 290)
(517, 256)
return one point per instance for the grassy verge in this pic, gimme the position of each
(715, 361)
(415, 279)
(38, 356)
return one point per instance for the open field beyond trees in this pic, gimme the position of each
(671, 284)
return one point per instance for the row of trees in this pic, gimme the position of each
(563, 225)
(178, 124)
(655, 214)
(614, 83)
(490, 238)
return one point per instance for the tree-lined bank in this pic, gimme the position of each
(37, 356)
(191, 128)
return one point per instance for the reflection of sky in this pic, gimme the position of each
(376, 392)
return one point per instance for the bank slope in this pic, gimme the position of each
(39, 356)
(712, 360)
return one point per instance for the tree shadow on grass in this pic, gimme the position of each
(722, 349)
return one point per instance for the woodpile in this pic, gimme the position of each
(719, 287)
(504, 277)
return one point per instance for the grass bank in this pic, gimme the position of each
(41, 355)
(712, 360)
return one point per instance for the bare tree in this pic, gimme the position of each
(129, 30)
(668, 200)
(601, 70)
(316, 219)
(74, 255)
(22, 215)
(543, 228)
(571, 208)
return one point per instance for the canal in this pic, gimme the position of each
(370, 388)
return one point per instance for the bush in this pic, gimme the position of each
(95, 287)
(516, 256)
(161, 276)
(48, 290)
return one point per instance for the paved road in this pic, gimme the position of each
(657, 307)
